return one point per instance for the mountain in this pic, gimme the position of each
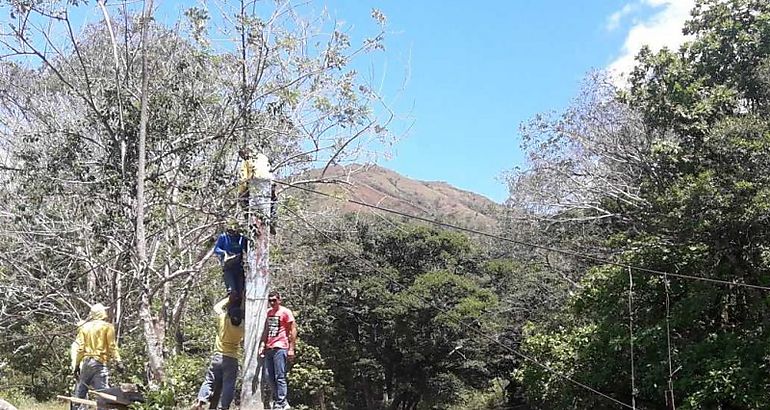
(380, 186)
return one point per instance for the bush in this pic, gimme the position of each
(183, 377)
(310, 381)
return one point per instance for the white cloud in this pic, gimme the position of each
(662, 29)
(613, 21)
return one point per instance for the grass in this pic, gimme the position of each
(48, 405)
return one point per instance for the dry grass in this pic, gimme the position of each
(49, 405)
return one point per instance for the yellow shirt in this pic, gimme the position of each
(229, 337)
(96, 339)
(258, 167)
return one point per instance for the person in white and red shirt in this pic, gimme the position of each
(277, 346)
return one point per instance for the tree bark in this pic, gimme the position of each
(154, 342)
(257, 285)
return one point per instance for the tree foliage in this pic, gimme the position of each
(701, 211)
(69, 129)
(405, 316)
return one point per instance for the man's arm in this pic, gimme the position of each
(74, 357)
(112, 345)
(246, 173)
(262, 340)
(77, 350)
(219, 247)
(219, 308)
(292, 332)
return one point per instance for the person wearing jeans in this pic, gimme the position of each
(218, 387)
(92, 349)
(223, 370)
(277, 347)
(231, 247)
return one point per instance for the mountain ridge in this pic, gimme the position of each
(376, 185)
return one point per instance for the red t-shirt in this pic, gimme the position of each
(278, 320)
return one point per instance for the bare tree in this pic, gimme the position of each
(593, 150)
(119, 146)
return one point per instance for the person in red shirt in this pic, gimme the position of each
(277, 346)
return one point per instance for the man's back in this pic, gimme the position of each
(96, 339)
(229, 337)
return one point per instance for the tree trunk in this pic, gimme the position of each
(257, 284)
(320, 400)
(154, 342)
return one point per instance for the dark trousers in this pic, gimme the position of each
(276, 365)
(220, 377)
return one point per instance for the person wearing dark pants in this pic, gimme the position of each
(223, 369)
(93, 348)
(277, 347)
(231, 247)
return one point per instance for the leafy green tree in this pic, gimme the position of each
(396, 314)
(702, 193)
(70, 127)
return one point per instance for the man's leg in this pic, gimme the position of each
(209, 382)
(236, 291)
(89, 368)
(243, 200)
(229, 277)
(81, 390)
(279, 365)
(229, 375)
(270, 371)
(100, 379)
(234, 279)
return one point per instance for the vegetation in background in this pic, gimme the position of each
(669, 173)
(686, 193)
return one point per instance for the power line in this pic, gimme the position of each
(529, 244)
(670, 402)
(443, 310)
(631, 334)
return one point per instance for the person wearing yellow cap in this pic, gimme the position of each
(223, 370)
(93, 349)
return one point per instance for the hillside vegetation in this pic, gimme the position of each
(630, 267)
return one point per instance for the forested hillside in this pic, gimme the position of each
(670, 175)
(630, 267)
(380, 186)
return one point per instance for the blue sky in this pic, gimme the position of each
(463, 75)
(478, 69)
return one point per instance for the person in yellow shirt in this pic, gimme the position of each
(93, 349)
(223, 370)
(255, 166)
(246, 173)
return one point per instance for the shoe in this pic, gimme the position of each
(284, 407)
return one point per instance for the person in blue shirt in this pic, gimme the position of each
(231, 247)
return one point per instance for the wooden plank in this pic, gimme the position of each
(77, 400)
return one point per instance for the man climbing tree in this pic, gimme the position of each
(246, 173)
(223, 370)
(278, 343)
(230, 247)
(94, 347)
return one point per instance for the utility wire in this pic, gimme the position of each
(631, 334)
(670, 394)
(529, 244)
(388, 275)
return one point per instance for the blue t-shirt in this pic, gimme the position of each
(231, 244)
